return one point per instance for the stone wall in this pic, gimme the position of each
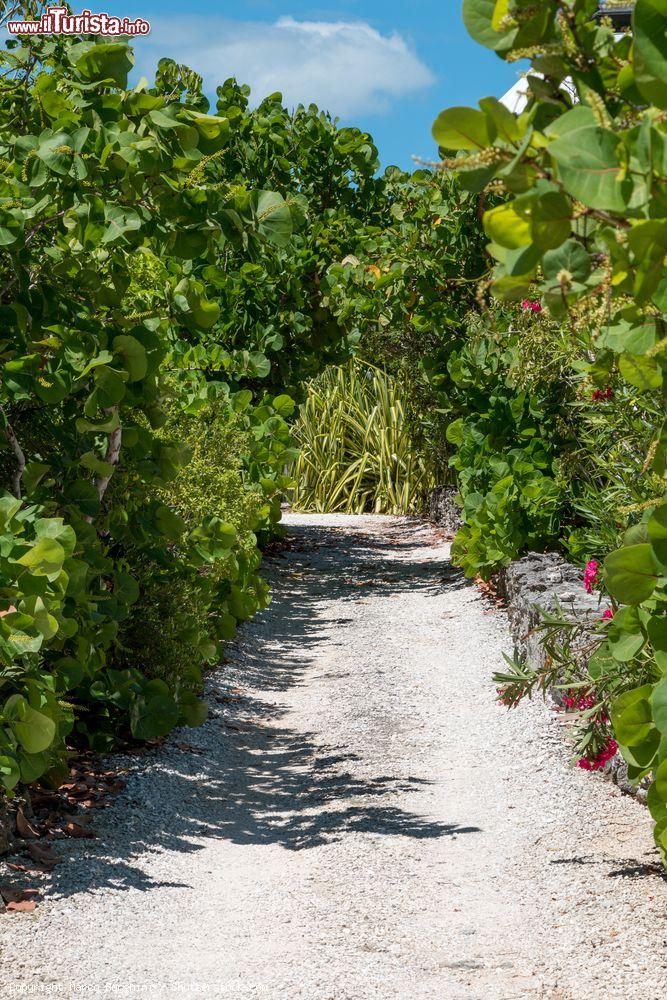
(543, 580)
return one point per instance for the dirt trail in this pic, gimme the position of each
(360, 821)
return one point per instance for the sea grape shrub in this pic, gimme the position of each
(506, 439)
(137, 229)
(584, 220)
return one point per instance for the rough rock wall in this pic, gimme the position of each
(543, 580)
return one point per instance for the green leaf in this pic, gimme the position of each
(463, 128)
(659, 706)
(153, 717)
(169, 523)
(657, 633)
(551, 217)
(590, 169)
(632, 573)
(507, 125)
(91, 461)
(284, 405)
(106, 427)
(273, 217)
(640, 371)
(570, 257)
(10, 774)
(194, 710)
(34, 730)
(657, 533)
(650, 50)
(631, 716)
(479, 17)
(120, 220)
(45, 558)
(133, 354)
(104, 61)
(625, 636)
(507, 227)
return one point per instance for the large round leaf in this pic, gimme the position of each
(134, 356)
(657, 533)
(632, 573)
(590, 168)
(34, 730)
(659, 706)
(463, 128)
(650, 50)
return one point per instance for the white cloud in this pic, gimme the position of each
(345, 67)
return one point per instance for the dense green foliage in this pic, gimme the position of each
(583, 225)
(161, 271)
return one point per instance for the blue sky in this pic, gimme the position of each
(386, 67)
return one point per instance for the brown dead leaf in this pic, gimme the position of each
(24, 906)
(17, 894)
(188, 748)
(25, 828)
(76, 830)
(42, 855)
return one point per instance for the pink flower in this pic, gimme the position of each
(599, 394)
(590, 575)
(608, 615)
(529, 306)
(574, 701)
(601, 758)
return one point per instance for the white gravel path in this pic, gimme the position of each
(362, 821)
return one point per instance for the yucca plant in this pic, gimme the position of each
(358, 452)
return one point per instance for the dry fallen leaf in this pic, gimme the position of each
(16, 894)
(43, 855)
(24, 906)
(25, 828)
(75, 830)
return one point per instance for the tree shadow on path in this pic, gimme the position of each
(246, 776)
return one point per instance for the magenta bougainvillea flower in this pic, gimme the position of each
(599, 394)
(591, 575)
(528, 306)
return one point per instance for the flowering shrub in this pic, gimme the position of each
(582, 218)
(591, 575)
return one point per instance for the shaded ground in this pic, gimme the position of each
(358, 820)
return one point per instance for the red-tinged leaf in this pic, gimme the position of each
(25, 828)
(76, 830)
(16, 894)
(24, 906)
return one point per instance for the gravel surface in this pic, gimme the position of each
(360, 821)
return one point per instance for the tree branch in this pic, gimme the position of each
(112, 457)
(13, 442)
